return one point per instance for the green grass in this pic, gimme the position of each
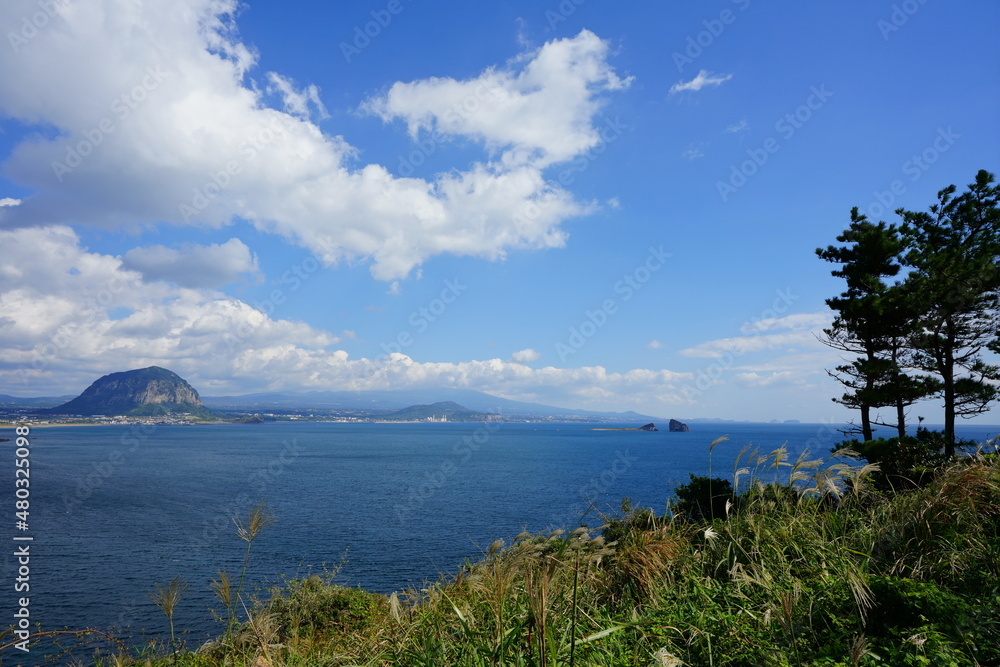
(825, 571)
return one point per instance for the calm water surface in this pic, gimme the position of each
(117, 509)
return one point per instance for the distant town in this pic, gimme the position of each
(158, 396)
(23, 416)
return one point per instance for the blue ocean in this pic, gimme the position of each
(116, 510)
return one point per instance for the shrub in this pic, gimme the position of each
(905, 462)
(632, 520)
(704, 498)
(313, 606)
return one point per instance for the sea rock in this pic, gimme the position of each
(649, 427)
(678, 426)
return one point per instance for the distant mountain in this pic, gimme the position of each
(38, 402)
(444, 410)
(383, 400)
(149, 391)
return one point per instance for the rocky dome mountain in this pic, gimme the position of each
(146, 391)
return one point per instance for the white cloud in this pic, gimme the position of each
(525, 356)
(747, 344)
(59, 316)
(813, 357)
(703, 79)
(193, 265)
(79, 313)
(8, 201)
(297, 102)
(172, 130)
(800, 330)
(654, 345)
(738, 127)
(778, 378)
(796, 322)
(694, 151)
(536, 110)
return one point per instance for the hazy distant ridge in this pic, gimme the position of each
(398, 399)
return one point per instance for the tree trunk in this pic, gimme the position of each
(948, 375)
(900, 405)
(866, 419)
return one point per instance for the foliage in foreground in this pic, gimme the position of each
(827, 570)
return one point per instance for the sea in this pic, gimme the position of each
(117, 510)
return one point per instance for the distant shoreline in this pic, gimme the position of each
(34, 426)
(282, 422)
(631, 428)
(12, 425)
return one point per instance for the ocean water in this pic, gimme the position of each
(115, 510)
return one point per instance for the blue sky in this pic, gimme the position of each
(596, 205)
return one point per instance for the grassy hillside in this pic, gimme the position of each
(826, 571)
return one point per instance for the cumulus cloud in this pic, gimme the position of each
(193, 265)
(654, 345)
(172, 129)
(537, 110)
(59, 316)
(525, 356)
(702, 80)
(9, 201)
(79, 313)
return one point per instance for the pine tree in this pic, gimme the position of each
(874, 320)
(954, 260)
